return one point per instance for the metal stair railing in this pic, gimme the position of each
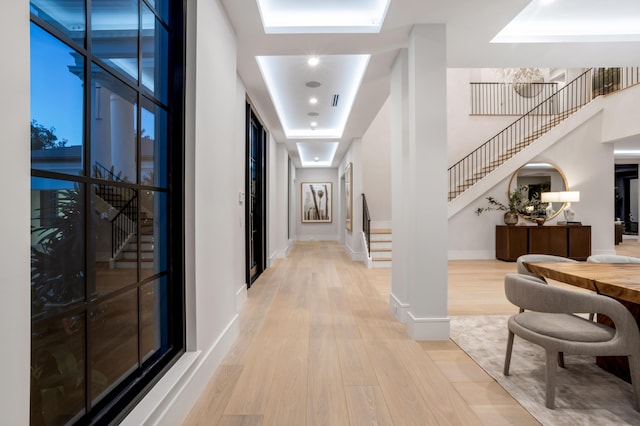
(531, 126)
(366, 224)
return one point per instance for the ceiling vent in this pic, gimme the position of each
(335, 100)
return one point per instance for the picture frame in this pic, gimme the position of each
(316, 202)
(348, 191)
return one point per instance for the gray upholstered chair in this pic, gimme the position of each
(550, 323)
(538, 258)
(612, 258)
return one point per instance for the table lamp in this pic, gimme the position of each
(562, 197)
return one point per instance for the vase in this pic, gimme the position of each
(510, 218)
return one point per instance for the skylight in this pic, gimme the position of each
(317, 154)
(325, 16)
(544, 21)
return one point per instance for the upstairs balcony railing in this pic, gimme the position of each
(509, 98)
(535, 123)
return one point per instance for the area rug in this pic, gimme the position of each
(585, 394)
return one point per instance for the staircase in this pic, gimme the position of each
(127, 258)
(535, 124)
(380, 250)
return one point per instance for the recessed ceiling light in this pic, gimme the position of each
(313, 101)
(314, 124)
(313, 61)
(313, 84)
(316, 159)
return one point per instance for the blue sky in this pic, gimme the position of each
(56, 94)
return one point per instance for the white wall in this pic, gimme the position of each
(318, 231)
(588, 166)
(15, 315)
(277, 193)
(376, 165)
(466, 132)
(353, 240)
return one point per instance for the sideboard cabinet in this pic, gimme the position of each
(573, 241)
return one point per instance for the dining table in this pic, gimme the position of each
(618, 280)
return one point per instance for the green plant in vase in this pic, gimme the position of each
(517, 203)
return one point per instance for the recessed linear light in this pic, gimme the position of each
(310, 153)
(334, 17)
(270, 69)
(577, 21)
(627, 152)
(313, 114)
(313, 84)
(313, 101)
(313, 61)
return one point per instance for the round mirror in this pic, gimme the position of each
(536, 178)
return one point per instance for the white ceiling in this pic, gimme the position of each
(471, 25)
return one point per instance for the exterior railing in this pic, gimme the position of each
(366, 224)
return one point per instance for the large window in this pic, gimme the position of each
(106, 204)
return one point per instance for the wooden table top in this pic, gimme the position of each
(619, 280)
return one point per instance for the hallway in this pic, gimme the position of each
(318, 346)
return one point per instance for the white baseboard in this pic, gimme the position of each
(398, 309)
(471, 254)
(428, 328)
(318, 238)
(173, 397)
(241, 297)
(354, 255)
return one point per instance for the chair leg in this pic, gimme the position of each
(561, 359)
(634, 368)
(550, 378)
(507, 357)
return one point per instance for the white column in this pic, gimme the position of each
(123, 146)
(400, 173)
(427, 318)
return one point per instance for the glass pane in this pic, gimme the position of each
(155, 42)
(114, 328)
(153, 317)
(153, 149)
(114, 127)
(57, 370)
(153, 233)
(67, 16)
(114, 34)
(161, 7)
(57, 245)
(115, 226)
(57, 75)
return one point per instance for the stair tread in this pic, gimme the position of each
(380, 231)
(384, 259)
(381, 250)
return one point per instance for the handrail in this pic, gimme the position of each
(99, 168)
(366, 223)
(535, 123)
(123, 225)
(518, 135)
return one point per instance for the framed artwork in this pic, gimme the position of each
(348, 191)
(316, 202)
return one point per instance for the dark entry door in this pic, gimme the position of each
(256, 197)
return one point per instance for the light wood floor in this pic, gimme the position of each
(318, 346)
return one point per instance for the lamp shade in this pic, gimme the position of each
(560, 197)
